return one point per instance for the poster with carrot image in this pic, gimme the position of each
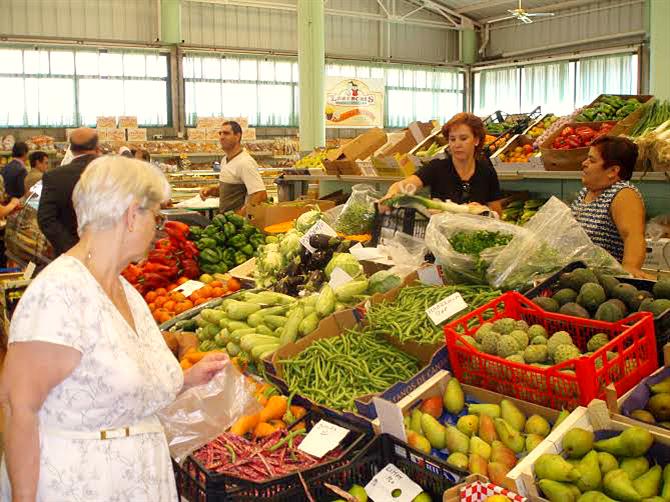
(354, 102)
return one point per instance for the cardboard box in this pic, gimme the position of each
(245, 271)
(128, 122)
(521, 140)
(658, 255)
(268, 214)
(390, 166)
(136, 134)
(195, 134)
(404, 141)
(105, 123)
(209, 122)
(361, 147)
(116, 135)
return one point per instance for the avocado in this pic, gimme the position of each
(662, 289)
(545, 303)
(637, 300)
(608, 282)
(657, 307)
(622, 306)
(591, 296)
(609, 312)
(577, 278)
(646, 303)
(575, 310)
(625, 292)
(565, 295)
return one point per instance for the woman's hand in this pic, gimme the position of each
(638, 274)
(203, 371)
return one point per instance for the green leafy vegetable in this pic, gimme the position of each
(473, 243)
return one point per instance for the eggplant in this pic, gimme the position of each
(344, 246)
(319, 259)
(315, 280)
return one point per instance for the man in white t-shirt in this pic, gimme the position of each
(240, 183)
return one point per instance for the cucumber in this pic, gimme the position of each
(274, 321)
(325, 304)
(257, 317)
(290, 332)
(236, 335)
(263, 349)
(235, 325)
(308, 309)
(233, 349)
(266, 354)
(223, 323)
(239, 311)
(248, 342)
(308, 324)
(262, 329)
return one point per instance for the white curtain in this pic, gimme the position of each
(497, 89)
(616, 74)
(549, 86)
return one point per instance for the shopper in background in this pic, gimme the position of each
(464, 176)
(15, 171)
(609, 207)
(83, 380)
(5, 210)
(55, 215)
(39, 163)
(140, 154)
(240, 183)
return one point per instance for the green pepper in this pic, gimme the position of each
(220, 239)
(240, 258)
(229, 230)
(195, 233)
(249, 230)
(208, 268)
(238, 241)
(210, 256)
(235, 219)
(222, 268)
(247, 250)
(256, 240)
(219, 221)
(210, 230)
(271, 239)
(206, 243)
(229, 255)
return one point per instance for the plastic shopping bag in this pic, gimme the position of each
(358, 213)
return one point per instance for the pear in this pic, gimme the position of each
(649, 484)
(533, 441)
(654, 499)
(480, 447)
(455, 440)
(487, 429)
(468, 424)
(643, 416)
(589, 468)
(419, 442)
(557, 492)
(512, 415)
(577, 442)
(561, 416)
(618, 485)
(459, 460)
(607, 462)
(509, 436)
(502, 454)
(453, 399)
(498, 475)
(477, 465)
(593, 496)
(433, 430)
(537, 425)
(554, 467)
(415, 421)
(659, 406)
(662, 386)
(665, 493)
(634, 466)
(422, 497)
(407, 421)
(492, 410)
(497, 498)
(633, 442)
(359, 493)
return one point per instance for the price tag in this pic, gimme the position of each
(323, 437)
(430, 275)
(370, 254)
(320, 227)
(390, 418)
(392, 485)
(189, 287)
(30, 270)
(339, 277)
(446, 308)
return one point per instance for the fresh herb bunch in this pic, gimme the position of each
(473, 243)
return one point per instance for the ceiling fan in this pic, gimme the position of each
(521, 15)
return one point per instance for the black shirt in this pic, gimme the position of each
(14, 173)
(445, 183)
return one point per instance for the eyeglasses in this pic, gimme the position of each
(465, 190)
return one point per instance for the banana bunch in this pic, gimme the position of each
(313, 160)
(519, 211)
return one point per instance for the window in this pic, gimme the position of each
(262, 89)
(412, 93)
(61, 88)
(558, 87)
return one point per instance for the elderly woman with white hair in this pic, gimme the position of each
(87, 368)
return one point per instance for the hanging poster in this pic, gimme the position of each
(354, 102)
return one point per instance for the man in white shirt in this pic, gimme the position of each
(240, 183)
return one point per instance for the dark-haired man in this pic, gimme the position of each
(56, 216)
(15, 172)
(240, 183)
(39, 163)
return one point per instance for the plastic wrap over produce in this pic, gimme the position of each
(358, 213)
(201, 413)
(406, 252)
(551, 239)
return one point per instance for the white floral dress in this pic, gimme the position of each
(124, 378)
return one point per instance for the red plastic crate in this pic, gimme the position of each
(632, 338)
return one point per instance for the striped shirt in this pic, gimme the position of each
(595, 217)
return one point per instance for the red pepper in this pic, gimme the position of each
(567, 131)
(559, 142)
(163, 257)
(131, 273)
(158, 268)
(574, 141)
(190, 268)
(176, 230)
(190, 250)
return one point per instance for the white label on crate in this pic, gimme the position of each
(370, 254)
(338, 277)
(320, 227)
(392, 485)
(30, 270)
(430, 275)
(446, 308)
(323, 437)
(189, 287)
(390, 418)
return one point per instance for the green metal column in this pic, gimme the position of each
(311, 65)
(659, 48)
(171, 21)
(468, 43)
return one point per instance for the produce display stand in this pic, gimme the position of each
(12, 287)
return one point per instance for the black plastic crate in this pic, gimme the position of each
(197, 484)
(432, 475)
(661, 322)
(401, 219)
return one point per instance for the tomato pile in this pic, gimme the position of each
(579, 137)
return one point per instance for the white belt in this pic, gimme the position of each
(145, 427)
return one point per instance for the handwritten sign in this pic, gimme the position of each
(392, 485)
(446, 308)
(320, 227)
(189, 287)
(390, 418)
(323, 437)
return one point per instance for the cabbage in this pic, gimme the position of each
(346, 262)
(290, 245)
(307, 220)
(383, 281)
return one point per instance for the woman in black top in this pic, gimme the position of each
(464, 176)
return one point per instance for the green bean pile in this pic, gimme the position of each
(334, 371)
(405, 318)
